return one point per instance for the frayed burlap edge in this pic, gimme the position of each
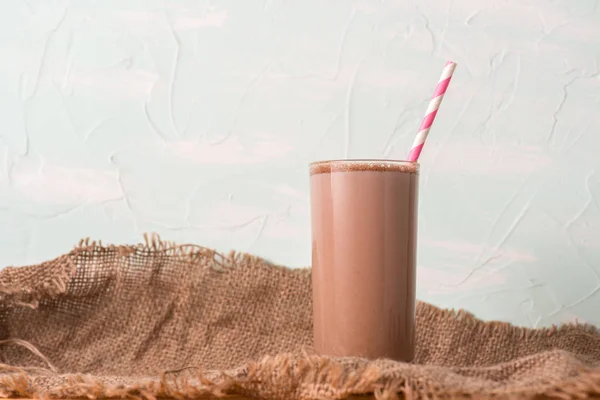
(213, 259)
(285, 376)
(28, 293)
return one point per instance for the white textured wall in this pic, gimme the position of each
(197, 120)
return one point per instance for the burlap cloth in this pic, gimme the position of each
(161, 320)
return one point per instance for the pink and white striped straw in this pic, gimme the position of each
(432, 109)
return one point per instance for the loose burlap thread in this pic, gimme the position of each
(181, 321)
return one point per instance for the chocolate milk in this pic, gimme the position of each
(364, 236)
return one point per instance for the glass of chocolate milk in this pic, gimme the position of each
(364, 237)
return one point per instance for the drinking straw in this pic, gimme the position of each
(432, 109)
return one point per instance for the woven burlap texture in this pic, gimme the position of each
(166, 320)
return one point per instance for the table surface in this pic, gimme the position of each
(234, 397)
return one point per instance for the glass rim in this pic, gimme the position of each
(363, 164)
(363, 161)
